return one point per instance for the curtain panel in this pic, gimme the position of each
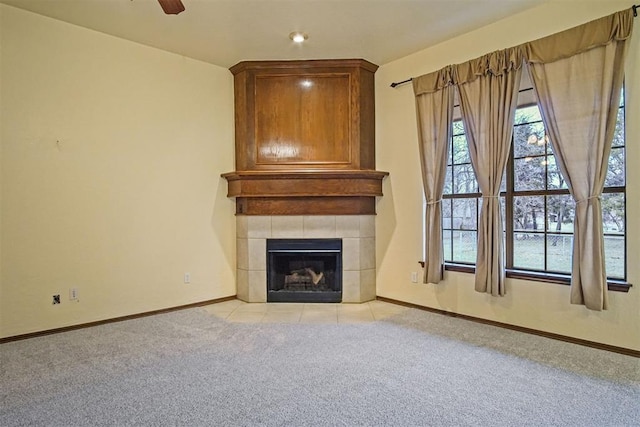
(434, 107)
(577, 75)
(488, 89)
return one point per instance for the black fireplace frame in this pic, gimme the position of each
(311, 248)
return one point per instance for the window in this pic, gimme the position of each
(537, 208)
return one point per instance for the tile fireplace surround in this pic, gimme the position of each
(358, 251)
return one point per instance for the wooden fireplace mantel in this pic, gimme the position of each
(305, 138)
(305, 192)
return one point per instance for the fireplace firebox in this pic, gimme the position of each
(304, 270)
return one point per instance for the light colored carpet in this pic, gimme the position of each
(414, 368)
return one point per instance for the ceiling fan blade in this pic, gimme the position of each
(171, 7)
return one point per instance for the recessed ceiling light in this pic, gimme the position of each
(298, 37)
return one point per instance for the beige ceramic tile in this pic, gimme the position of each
(347, 309)
(355, 313)
(251, 308)
(245, 317)
(383, 310)
(347, 226)
(356, 317)
(242, 253)
(242, 284)
(240, 311)
(285, 307)
(350, 286)
(320, 226)
(286, 227)
(282, 316)
(319, 316)
(257, 254)
(222, 309)
(258, 227)
(324, 307)
(368, 285)
(241, 227)
(258, 286)
(350, 254)
(367, 253)
(367, 226)
(225, 305)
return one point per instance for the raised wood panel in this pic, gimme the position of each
(302, 119)
(366, 121)
(301, 114)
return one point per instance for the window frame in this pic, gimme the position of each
(508, 195)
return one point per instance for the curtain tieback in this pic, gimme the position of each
(490, 197)
(435, 202)
(587, 199)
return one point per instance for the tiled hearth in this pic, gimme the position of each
(358, 251)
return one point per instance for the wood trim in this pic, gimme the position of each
(304, 174)
(112, 320)
(324, 205)
(296, 65)
(579, 341)
(304, 184)
(560, 279)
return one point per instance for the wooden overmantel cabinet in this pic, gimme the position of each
(305, 138)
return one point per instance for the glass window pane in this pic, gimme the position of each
(528, 213)
(458, 127)
(464, 245)
(528, 251)
(560, 212)
(559, 250)
(503, 183)
(464, 180)
(446, 244)
(465, 214)
(460, 150)
(554, 179)
(616, 169)
(529, 174)
(528, 140)
(618, 136)
(448, 181)
(613, 218)
(614, 256)
(528, 114)
(446, 213)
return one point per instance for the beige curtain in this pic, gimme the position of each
(434, 107)
(578, 75)
(488, 89)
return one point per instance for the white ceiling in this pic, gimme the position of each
(225, 32)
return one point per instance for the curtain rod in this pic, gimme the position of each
(635, 8)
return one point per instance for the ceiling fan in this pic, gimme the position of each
(171, 7)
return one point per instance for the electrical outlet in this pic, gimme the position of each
(414, 276)
(56, 299)
(187, 278)
(73, 294)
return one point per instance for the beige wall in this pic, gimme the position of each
(399, 223)
(111, 161)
